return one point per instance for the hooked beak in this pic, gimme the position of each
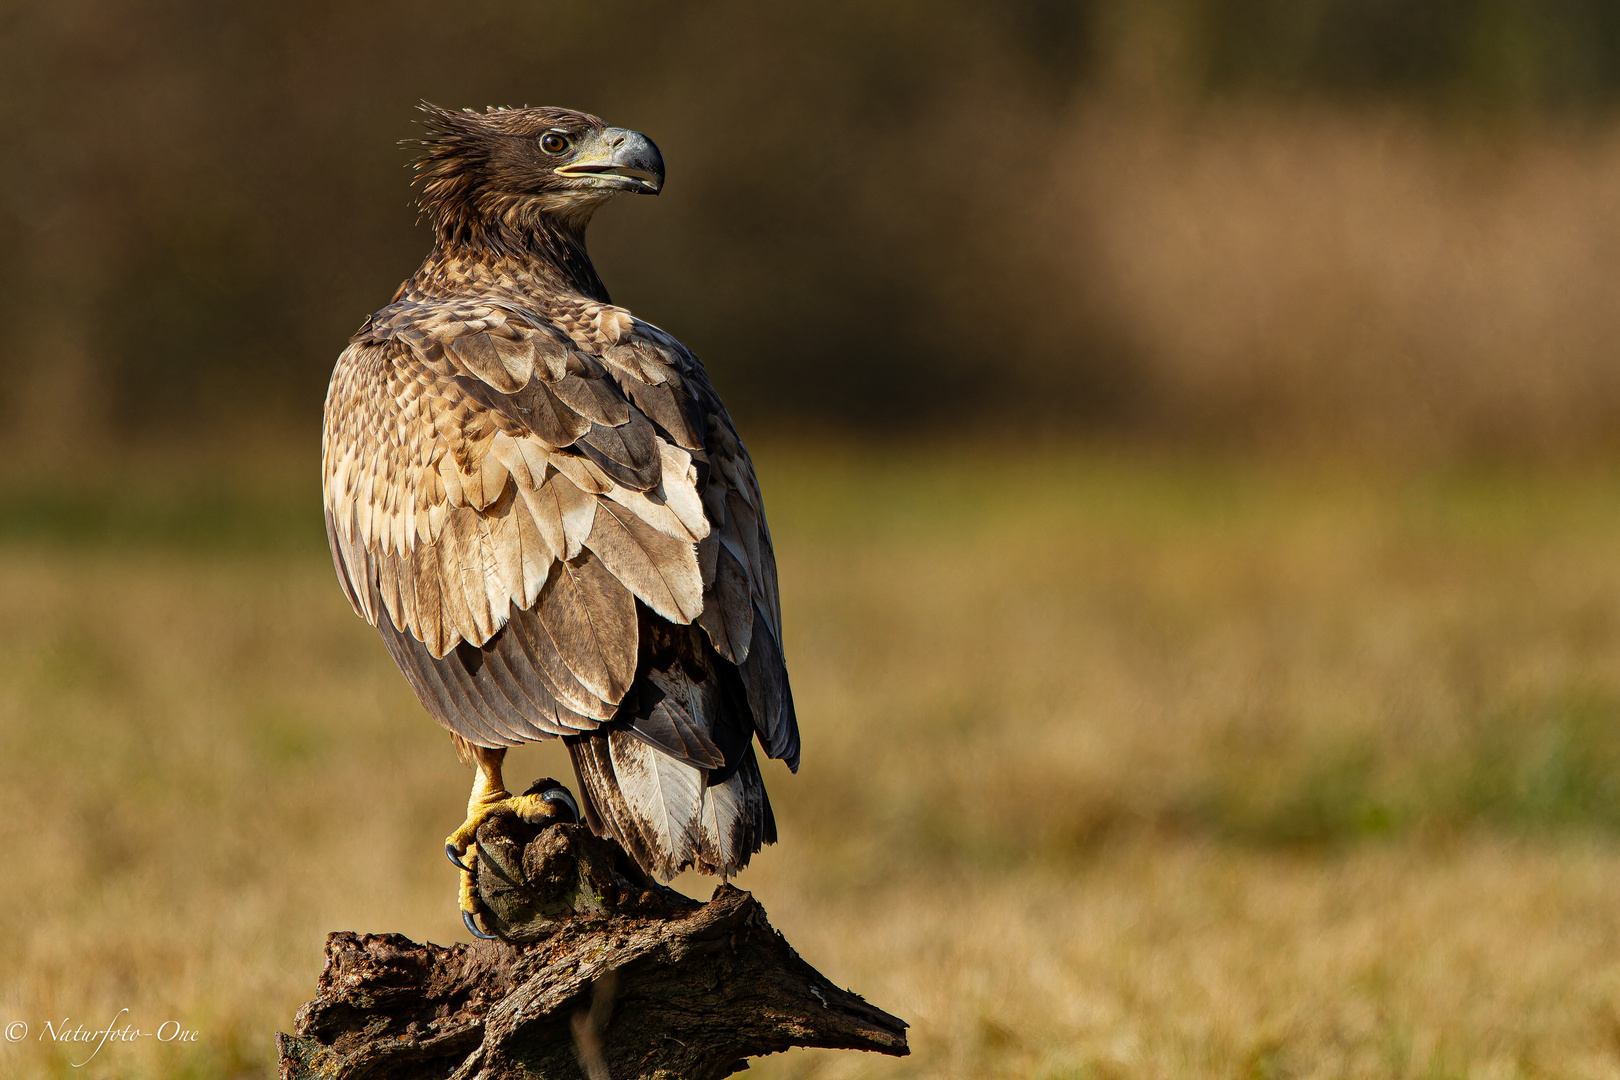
(620, 159)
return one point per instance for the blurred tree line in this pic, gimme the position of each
(1470, 53)
(200, 201)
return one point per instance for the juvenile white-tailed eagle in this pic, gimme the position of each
(541, 504)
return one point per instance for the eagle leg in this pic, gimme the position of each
(551, 802)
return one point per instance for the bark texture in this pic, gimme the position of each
(601, 974)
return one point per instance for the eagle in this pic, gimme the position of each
(543, 507)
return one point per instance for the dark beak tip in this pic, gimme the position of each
(642, 153)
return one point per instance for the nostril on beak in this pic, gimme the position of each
(618, 141)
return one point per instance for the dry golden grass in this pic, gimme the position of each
(1113, 768)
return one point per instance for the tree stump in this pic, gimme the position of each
(599, 973)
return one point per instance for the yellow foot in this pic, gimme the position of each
(468, 901)
(554, 803)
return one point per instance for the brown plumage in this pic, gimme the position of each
(540, 501)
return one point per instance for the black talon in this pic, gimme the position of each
(561, 795)
(472, 928)
(450, 853)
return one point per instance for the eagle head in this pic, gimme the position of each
(511, 170)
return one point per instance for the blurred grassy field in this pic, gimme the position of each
(1114, 766)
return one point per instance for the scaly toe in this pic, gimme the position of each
(467, 900)
(553, 804)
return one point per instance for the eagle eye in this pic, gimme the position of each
(553, 143)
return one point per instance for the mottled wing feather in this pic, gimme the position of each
(590, 619)
(660, 569)
(434, 439)
(453, 445)
(728, 610)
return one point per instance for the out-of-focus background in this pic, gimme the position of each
(1190, 433)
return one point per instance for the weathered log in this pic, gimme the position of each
(601, 973)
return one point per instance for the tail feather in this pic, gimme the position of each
(604, 807)
(664, 797)
(674, 778)
(663, 812)
(736, 820)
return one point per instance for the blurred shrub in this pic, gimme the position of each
(1483, 52)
